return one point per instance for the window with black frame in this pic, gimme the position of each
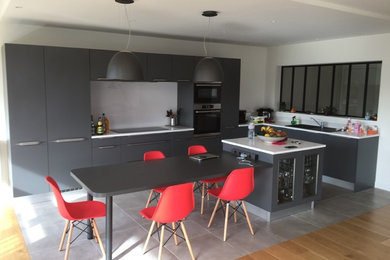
(342, 89)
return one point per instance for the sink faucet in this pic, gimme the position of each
(321, 123)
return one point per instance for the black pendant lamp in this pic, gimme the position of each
(124, 65)
(208, 69)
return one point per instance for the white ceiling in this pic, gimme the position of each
(258, 22)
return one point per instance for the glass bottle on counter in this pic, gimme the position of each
(251, 130)
(92, 126)
(99, 127)
(106, 124)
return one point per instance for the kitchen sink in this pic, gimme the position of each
(315, 127)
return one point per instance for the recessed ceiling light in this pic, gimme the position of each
(273, 21)
(18, 7)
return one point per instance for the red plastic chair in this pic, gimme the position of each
(175, 204)
(198, 149)
(148, 156)
(238, 185)
(74, 213)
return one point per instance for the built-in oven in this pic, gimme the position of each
(207, 93)
(207, 119)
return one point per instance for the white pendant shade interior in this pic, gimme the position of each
(208, 69)
(124, 65)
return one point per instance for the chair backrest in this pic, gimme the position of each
(238, 185)
(153, 155)
(62, 205)
(196, 149)
(175, 203)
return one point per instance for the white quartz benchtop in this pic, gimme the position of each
(258, 145)
(167, 129)
(338, 133)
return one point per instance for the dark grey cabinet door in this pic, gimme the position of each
(26, 93)
(180, 143)
(27, 118)
(159, 67)
(230, 96)
(106, 151)
(68, 93)
(99, 60)
(183, 67)
(63, 157)
(212, 143)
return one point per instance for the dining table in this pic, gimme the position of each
(109, 180)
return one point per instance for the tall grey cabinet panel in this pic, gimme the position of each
(230, 96)
(68, 94)
(27, 118)
(68, 112)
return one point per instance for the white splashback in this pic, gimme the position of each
(133, 104)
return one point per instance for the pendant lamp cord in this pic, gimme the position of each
(204, 37)
(129, 26)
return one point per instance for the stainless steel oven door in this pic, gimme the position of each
(207, 121)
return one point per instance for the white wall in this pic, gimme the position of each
(365, 48)
(253, 60)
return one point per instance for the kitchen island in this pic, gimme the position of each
(294, 181)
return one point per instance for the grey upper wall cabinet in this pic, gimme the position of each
(27, 118)
(183, 67)
(159, 67)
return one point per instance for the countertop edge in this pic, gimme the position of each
(111, 135)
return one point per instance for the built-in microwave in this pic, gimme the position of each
(207, 93)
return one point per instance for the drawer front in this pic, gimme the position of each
(135, 151)
(145, 138)
(105, 142)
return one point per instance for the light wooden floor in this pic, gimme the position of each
(363, 237)
(12, 245)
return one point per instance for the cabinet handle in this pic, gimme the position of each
(107, 147)
(207, 111)
(70, 140)
(183, 80)
(137, 144)
(29, 143)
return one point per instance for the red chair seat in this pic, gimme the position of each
(148, 212)
(86, 210)
(159, 190)
(214, 180)
(215, 192)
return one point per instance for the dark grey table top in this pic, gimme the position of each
(109, 180)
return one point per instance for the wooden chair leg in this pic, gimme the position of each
(149, 198)
(69, 239)
(235, 212)
(213, 214)
(93, 231)
(187, 240)
(63, 235)
(161, 243)
(226, 222)
(216, 185)
(149, 235)
(207, 188)
(99, 239)
(202, 201)
(174, 232)
(247, 218)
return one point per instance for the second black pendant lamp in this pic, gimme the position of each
(124, 65)
(208, 69)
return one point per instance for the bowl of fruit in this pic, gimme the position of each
(270, 135)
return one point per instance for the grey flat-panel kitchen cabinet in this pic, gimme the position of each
(212, 143)
(106, 151)
(68, 112)
(180, 142)
(134, 147)
(27, 118)
(159, 67)
(230, 97)
(183, 67)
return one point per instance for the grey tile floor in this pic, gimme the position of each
(42, 226)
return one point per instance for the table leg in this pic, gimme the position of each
(90, 233)
(109, 228)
